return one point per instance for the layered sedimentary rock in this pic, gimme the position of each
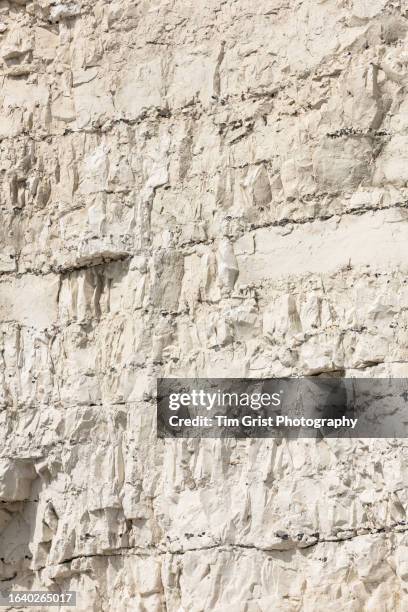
(199, 189)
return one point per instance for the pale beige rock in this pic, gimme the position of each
(199, 189)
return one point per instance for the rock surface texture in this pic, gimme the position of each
(199, 189)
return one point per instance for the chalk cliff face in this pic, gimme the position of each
(199, 189)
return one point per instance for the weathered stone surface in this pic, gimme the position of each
(199, 189)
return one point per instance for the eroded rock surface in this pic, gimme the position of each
(199, 189)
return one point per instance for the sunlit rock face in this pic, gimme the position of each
(199, 189)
